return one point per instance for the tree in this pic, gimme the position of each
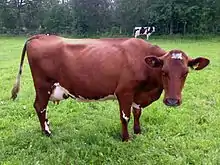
(94, 17)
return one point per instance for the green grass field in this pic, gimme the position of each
(89, 133)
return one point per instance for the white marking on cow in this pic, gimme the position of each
(58, 92)
(134, 105)
(47, 127)
(48, 123)
(177, 56)
(124, 116)
(43, 111)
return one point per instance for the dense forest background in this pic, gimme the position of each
(109, 17)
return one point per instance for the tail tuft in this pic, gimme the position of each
(15, 89)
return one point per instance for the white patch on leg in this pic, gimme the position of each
(125, 117)
(43, 111)
(48, 123)
(47, 127)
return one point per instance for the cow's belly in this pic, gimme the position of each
(91, 75)
(108, 97)
(59, 93)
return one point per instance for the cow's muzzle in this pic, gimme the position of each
(172, 102)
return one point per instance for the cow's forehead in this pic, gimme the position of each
(177, 55)
(176, 58)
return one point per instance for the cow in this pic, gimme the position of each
(130, 70)
(143, 31)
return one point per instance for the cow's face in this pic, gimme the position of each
(174, 70)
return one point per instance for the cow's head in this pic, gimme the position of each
(174, 70)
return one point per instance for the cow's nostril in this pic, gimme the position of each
(172, 102)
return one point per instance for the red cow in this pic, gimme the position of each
(133, 71)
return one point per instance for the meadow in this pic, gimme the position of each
(89, 133)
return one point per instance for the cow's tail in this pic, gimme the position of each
(16, 87)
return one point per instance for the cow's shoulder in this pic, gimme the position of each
(156, 50)
(147, 47)
(137, 44)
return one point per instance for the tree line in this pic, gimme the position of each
(109, 17)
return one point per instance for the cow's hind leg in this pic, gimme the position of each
(40, 105)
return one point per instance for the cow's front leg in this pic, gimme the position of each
(142, 100)
(125, 102)
(136, 114)
(40, 106)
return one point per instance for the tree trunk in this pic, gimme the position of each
(18, 18)
(120, 30)
(184, 28)
(19, 6)
(171, 27)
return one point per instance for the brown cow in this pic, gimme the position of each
(131, 70)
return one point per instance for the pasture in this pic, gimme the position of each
(89, 133)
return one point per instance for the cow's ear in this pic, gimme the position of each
(198, 63)
(153, 61)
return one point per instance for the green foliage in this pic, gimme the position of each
(60, 19)
(94, 17)
(89, 133)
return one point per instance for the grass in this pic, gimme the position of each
(89, 133)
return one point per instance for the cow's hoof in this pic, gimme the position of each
(125, 139)
(137, 131)
(48, 134)
(47, 121)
